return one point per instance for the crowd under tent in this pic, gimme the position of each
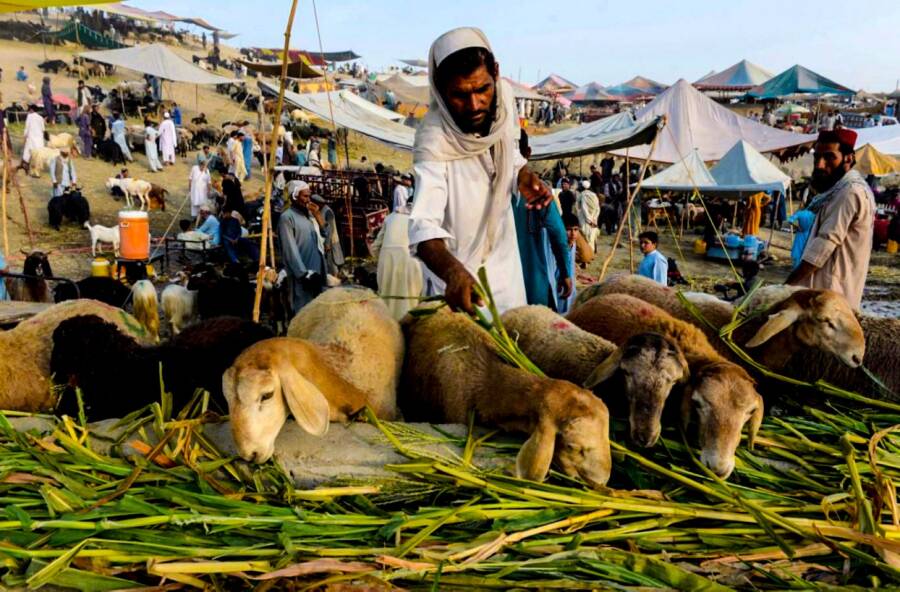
(798, 80)
(694, 121)
(555, 83)
(297, 69)
(156, 60)
(870, 161)
(742, 76)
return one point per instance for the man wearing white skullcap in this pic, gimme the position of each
(167, 139)
(302, 245)
(467, 169)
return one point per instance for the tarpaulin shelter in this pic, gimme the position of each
(744, 170)
(624, 92)
(405, 91)
(296, 69)
(23, 5)
(616, 131)
(555, 84)
(193, 20)
(696, 121)
(156, 60)
(684, 175)
(589, 93)
(131, 12)
(75, 32)
(351, 112)
(870, 161)
(743, 75)
(798, 80)
(339, 56)
(524, 92)
(415, 63)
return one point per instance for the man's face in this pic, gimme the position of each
(829, 165)
(566, 185)
(470, 99)
(302, 197)
(571, 234)
(647, 246)
(204, 214)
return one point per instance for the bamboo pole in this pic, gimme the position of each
(3, 191)
(631, 195)
(267, 200)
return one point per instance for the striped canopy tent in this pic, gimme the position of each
(555, 84)
(589, 93)
(625, 92)
(798, 80)
(743, 75)
(647, 85)
(23, 5)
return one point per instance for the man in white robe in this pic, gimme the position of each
(34, 133)
(400, 280)
(467, 166)
(587, 207)
(150, 136)
(198, 186)
(167, 139)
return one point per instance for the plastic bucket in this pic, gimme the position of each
(892, 246)
(700, 246)
(134, 235)
(100, 268)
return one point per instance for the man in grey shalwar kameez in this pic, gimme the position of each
(334, 254)
(302, 246)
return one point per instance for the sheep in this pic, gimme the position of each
(33, 288)
(228, 294)
(157, 197)
(103, 289)
(721, 393)
(452, 369)
(146, 307)
(25, 383)
(343, 351)
(40, 159)
(132, 188)
(648, 364)
(93, 355)
(180, 306)
(63, 140)
(103, 234)
(797, 319)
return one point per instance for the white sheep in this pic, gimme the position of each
(180, 306)
(41, 157)
(63, 140)
(132, 188)
(145, 304)
(638, 376)
(25, 351)
(453, 370)
(344, 351)
(103, 234)
(720, 393)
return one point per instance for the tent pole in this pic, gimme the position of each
(3, 192)
(774, 216)
(612, 250)
(267, 199)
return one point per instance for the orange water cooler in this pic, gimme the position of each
(134, 235)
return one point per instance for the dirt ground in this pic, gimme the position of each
(70, 246)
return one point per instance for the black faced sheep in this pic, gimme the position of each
(117, 375)
(104, 289)
(33, 288)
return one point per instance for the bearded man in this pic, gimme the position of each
(468, 168)
(837, 253)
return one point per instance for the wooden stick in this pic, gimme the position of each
(3, 192)
(631, 195)
(267, 200)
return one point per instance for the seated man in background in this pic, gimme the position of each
(209, 225)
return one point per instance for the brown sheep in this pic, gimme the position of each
(452, 369)
(721, 393)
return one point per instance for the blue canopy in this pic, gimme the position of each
(798, 80)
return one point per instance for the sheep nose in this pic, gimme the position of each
(857, 361)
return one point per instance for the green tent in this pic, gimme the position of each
(798, 80)
(78, 33)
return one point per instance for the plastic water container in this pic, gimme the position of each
(134, 235)
(100, 268)
(699, 246)
(892, 246)
(732, 241)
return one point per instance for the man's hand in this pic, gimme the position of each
(533, 189)
(460, 291)
(565, 287)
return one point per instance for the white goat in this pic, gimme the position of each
(132, 188)
(145, 304)
(180, 306)
(103, 234)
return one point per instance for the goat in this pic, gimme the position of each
(131, 188)
(157, 197)
(145, 305)
(179, 305)
(218, 295)
(103, 234)
(103, 289)
(33, 288)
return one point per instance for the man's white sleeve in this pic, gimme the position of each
(429, 210)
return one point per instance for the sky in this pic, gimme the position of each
(856, 44)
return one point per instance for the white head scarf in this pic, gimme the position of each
(438, 138)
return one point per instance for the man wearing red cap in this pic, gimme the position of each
(840, 243)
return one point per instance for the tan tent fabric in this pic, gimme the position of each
(22, 5)
(298, 69)
(870, 161)
(157, 60)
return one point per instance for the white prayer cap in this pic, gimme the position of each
(166, 115)
(298, 186)
(586, 184)
(455, 40)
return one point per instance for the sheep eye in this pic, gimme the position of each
(267, 396)
(831, 324)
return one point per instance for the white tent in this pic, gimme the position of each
(743, 169)
(605, 134)
(352, 112)
(695, 121)
(157, 60)
(684, 175)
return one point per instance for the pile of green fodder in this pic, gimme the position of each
(812, 505)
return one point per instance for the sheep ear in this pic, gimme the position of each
(604, 370)
(536, 455)
(228, 386)
(777, 323)
(307, 403)
(754, 423)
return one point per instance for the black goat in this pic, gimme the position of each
(53, 66)
(111, 152)
(71, 205)
(228, 294)
(117, 375)
(33, 288)
(104, 289)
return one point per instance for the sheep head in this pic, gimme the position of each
(723, 398)
(573, 431)
(263, 384)
(820, 319)
(650, 365)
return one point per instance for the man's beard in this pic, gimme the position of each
(822, 181)
(483, 128)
